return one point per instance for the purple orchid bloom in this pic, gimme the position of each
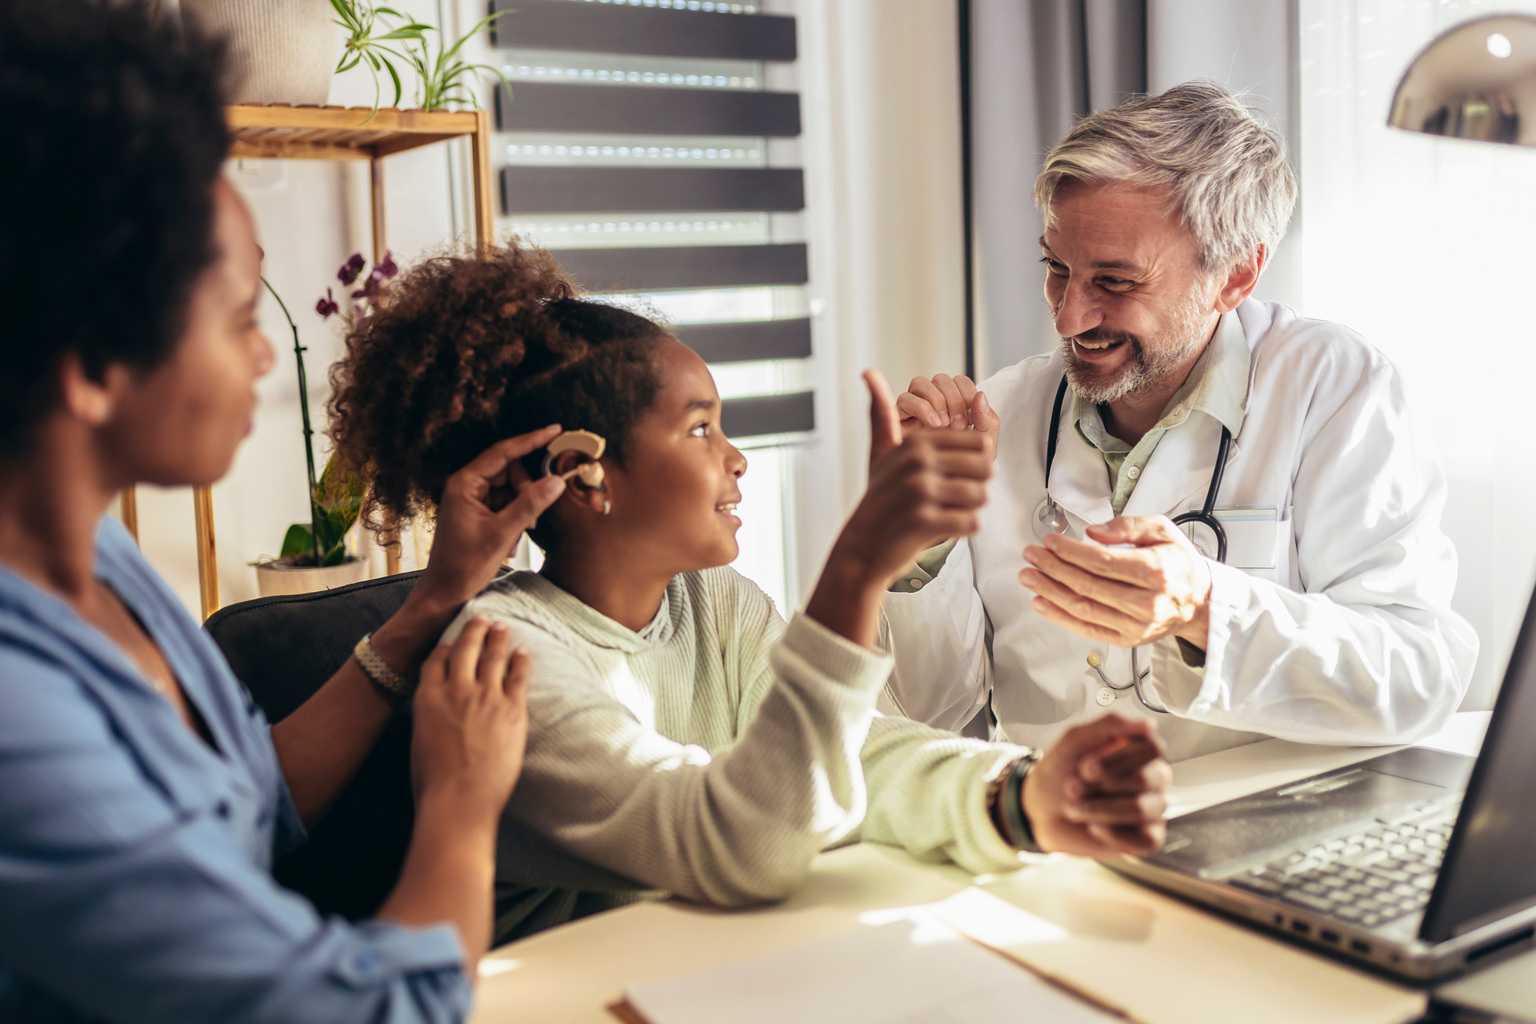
(386, 268)
(350, 269)
(326, 306)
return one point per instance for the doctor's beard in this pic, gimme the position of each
(1149, 363)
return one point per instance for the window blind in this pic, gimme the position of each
(634, 144)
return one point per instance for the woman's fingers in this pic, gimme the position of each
(491, 672)
(435, 668)
(519, 670)
(464, 659)
(492, 465)
(532, 500)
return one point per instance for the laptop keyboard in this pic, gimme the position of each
(1370, 878)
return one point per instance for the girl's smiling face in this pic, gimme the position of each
(674, 499)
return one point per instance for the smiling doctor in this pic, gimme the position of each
(1207, 509)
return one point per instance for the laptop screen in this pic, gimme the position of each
(1490, 864)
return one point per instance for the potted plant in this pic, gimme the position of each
(377, 37)
(281, 51)
(314, 555)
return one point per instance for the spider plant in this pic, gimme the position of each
(442, 76)
(361, 19)
(375, 32)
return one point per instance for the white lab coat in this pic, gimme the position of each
(1347, 637)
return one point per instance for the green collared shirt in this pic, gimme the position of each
(1217, 386)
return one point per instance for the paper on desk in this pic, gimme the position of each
(1159, 961)
(906, 972)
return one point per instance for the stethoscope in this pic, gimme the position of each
(1051, 518)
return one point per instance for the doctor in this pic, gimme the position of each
(1316, 608)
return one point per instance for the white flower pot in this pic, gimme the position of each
(274, 578)
(281, 51)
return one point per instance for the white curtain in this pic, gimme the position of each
(1424, 246)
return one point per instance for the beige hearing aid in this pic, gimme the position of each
(586, 443)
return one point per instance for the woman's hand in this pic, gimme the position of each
(922, 491)
(471, 720)
(1101, 790)
(471, 724)
(485, 508)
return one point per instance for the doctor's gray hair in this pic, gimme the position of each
(1221, 161)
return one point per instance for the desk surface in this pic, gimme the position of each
(1162, 952)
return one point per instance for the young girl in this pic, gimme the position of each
(682, 734)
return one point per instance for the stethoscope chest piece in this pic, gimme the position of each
(1050, 518)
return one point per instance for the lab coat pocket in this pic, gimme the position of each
(1253, 537)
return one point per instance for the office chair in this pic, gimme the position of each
(284, 649)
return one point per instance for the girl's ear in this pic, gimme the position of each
(584, 478)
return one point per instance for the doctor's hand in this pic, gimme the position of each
(923, 490)
(1100, 790)
(942, 402)
(1126, 597)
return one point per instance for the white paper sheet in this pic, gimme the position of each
(905, 972)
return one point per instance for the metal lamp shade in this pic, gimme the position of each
(1475, 81)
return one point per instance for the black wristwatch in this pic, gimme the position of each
(1007, 792)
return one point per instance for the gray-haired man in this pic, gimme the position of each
(1316, 608)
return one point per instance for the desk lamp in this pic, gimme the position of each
(1475, 81)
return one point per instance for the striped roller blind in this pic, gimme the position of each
(636, 144)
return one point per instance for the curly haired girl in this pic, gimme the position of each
(683, 735)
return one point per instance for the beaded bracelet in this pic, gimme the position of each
(391, 683)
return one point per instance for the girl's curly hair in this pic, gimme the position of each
(468, 350)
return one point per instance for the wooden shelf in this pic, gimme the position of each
(285, 132)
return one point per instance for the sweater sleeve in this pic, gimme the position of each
(927, 794)
(927, 787)
(731, 829)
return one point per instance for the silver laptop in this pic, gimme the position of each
(1418, 863)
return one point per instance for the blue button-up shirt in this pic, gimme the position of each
(135, 880)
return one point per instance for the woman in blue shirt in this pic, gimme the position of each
(142, 795)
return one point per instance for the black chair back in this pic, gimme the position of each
(284, 649)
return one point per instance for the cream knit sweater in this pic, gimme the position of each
(716, 751)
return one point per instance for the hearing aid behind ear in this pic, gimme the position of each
(584, 442)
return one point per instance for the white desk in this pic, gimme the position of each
(1158, 959)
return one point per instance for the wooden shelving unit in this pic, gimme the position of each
(283, 132)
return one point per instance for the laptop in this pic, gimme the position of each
(1418, 863)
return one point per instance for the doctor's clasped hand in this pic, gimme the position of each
(1159, 587)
